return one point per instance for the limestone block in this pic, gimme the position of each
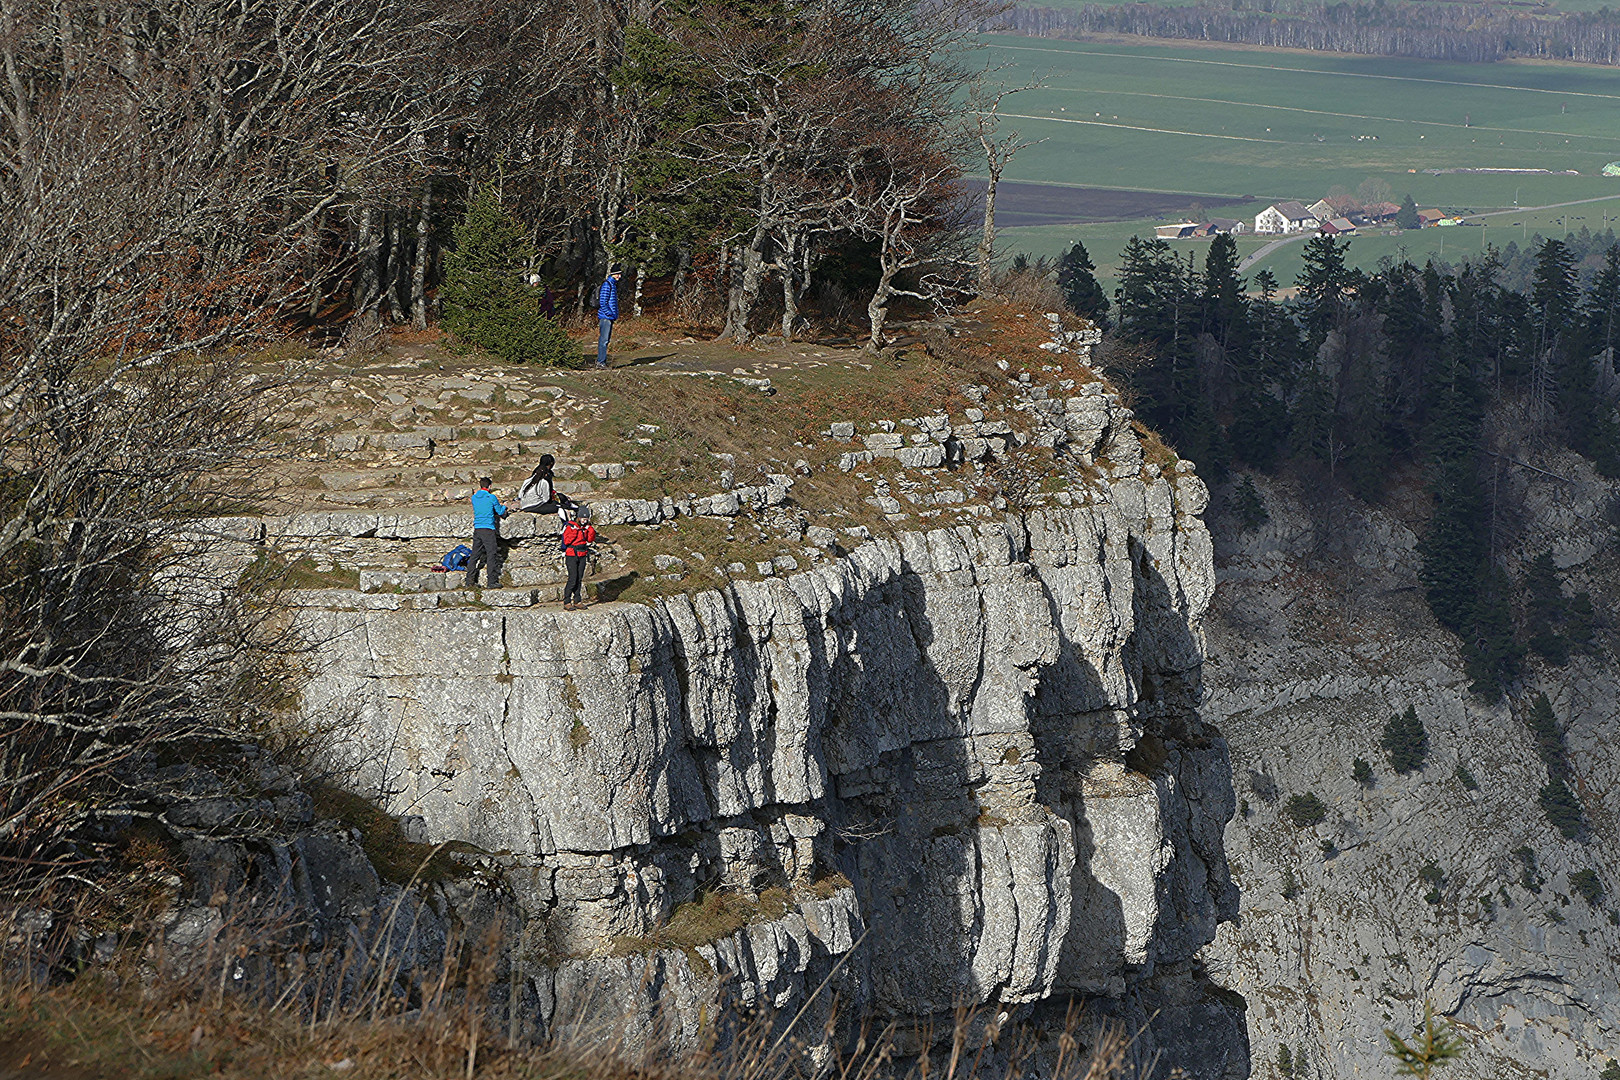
(400, 440)
(408, 581)
(337, 523)
(848, 462)
(931, 456)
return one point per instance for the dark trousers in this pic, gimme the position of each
(604, 330)
(576, 578)
(485, 552)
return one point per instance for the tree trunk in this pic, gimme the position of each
(393, 270)
(877, 310)
(683, 263)
(745, 289)
(788, 261)
(419, 314)
(365, 320)
(314, 272)
(987, 242)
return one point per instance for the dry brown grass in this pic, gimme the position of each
(153, 1015)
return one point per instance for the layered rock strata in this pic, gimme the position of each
(960, 767)
(1448, 883)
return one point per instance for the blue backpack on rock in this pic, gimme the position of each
(455, 558)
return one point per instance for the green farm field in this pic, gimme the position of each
(1223, 123)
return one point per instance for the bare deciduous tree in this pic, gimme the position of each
(999, 148)
(163, 168)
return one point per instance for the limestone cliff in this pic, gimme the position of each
(956, 767)
(1418, 886)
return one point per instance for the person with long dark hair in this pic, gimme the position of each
(539, 494)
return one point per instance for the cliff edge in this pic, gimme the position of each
(960, 766)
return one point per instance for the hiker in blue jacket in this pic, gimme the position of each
(487, 511)
(607, 309)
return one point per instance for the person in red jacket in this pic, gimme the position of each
(578, 536)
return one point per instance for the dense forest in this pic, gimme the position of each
(1464, 32)
(1360, 375)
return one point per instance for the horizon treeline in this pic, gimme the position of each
(1471, 33)
(1360, 374)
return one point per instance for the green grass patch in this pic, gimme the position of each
(395, 858)
(270, 571)
(706, 920)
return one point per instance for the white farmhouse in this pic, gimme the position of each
(1284, 217)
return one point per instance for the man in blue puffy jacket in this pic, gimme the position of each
(487, 510)
(607, 309)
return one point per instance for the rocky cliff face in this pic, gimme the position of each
(957, 767)
(1419, 886)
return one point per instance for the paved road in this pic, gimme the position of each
(1262, 252)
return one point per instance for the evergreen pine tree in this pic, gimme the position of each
(1324, 284)
(1545, 607)
(1493, 653)
(1562, 808)
(1601, 309)
(1077, 278)
(1225, 298)
(1588, 411)
(1405, 741)
(1552, 299)
(1247, 504)
(1407, 216)
(486, 301)
(1549, 737)
(1259, 429)
(1453, 550)
(1159, 309)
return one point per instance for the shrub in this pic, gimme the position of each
(486, 302)
(1529, 876)
(1611, 1071)
(1432, 876)
(1562, 808)
(1587, 884)
(1466, 778)
(1285, 1061)
(1433, 1044)
(1248, 505)
(1405, 741)
(1549, 739)
(1305, 810)
(1361, 772)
